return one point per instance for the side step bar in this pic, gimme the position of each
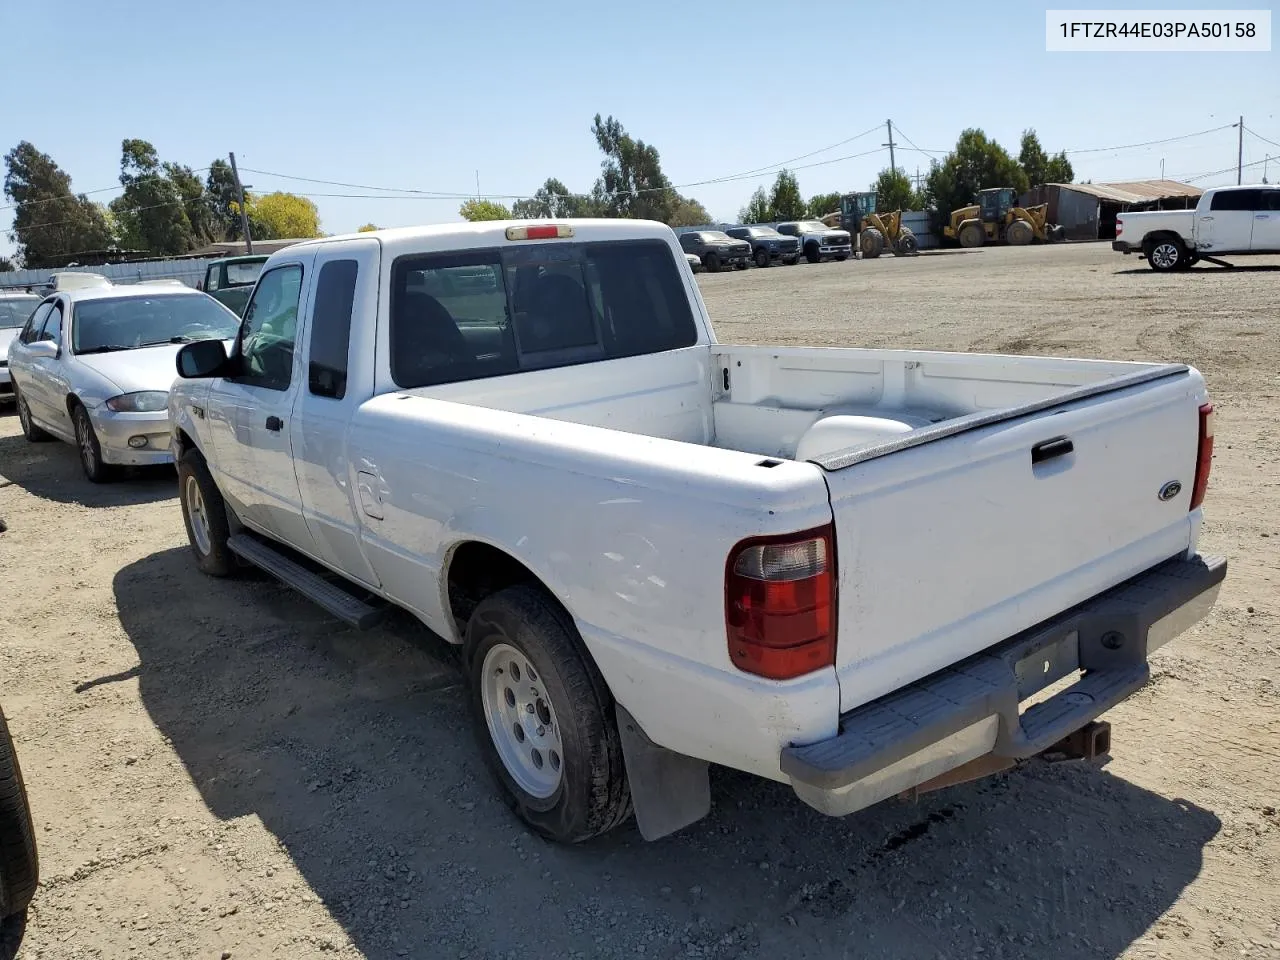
(324, 593)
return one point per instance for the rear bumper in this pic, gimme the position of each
(973, 709)
(1124, 246)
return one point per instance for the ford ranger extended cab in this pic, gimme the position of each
(847, 570)
(1227, 221)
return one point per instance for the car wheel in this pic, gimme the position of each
(712, 262)
(1164, 255)
(762, 257)
(544, 718)
(95, 468)
(204, 513)
(19, 860)
(811, 253)
(29, 429)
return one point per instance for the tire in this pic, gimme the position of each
(791, 261)
(761, 257)
(712, 263)
(742, 265)
(871, 243)
(19, 860)
(811, 253)
(567, 712)
(204, 514)
(29, 430)
(1164, 255)
(1020, 233)
(908, 245)
(972, 235)
(95, 468)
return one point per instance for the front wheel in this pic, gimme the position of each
(812, 253)
(544, 718)
(204, 514)
(19, 860)
(1164, 255)
(95, 468)
(711, 262)
(762, 257)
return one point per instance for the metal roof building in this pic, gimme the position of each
(1088, 210)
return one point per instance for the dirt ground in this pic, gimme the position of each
(218, 770)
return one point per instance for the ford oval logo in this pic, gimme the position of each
(1170, 490)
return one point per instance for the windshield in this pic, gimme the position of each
(15, 310)
(243, 274)
(716, 235)
(125, 323)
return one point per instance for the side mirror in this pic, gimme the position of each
(202, 359)
(42, 350)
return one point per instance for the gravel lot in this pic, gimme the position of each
(218, 770)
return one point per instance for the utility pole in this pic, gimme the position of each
(1265, 162)
(244, 214)
(1162, 168)
(892, 165)
(1240, 154)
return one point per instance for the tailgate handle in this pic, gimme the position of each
(1048, 449)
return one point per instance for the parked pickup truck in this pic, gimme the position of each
(230, 280)
(1227, 221)
(818, 240)
(842, 569)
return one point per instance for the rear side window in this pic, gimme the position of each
(493, 312)
(331, 329)
(1270, 200)
(1235, 200)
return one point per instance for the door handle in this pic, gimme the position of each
(1204, 219)
(1049, 449)
(274, 423)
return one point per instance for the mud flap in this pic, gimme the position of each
(668, 790)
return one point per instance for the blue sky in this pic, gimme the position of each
(423, 95)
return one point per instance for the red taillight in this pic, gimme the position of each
(541, 231)
(1119, 227)
(1204, 456)
(780, 609)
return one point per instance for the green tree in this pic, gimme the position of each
(894, 192)
(975, 164)
(553, 200)
(6, 265)
(688, 213)
(151, 212)
(49, 221)
(195, 203)
(631, 182)
(1039, 166)
(220, 187)
(483, 210)
(286, 215)
(368, 228)
(758, 208)
(1058, 169)
(821, 204)
(785, 199)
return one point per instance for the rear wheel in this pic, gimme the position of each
(544, 717)
(95, 468)
(871, 242)
(1164, 255)
(811, 253)
(712, 262)
(972, 235)
(1020, 233)
(762, 257)
(19, 861)
(29, 429)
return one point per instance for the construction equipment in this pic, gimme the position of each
(875, 231)
(997, 218)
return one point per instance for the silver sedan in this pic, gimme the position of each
(93, 367)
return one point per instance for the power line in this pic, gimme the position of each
(71, 195)
(1261, 137)
(769, 167)
(932, 153)
(1150, 143)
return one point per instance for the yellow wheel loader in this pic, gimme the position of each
(876, 232)
(997, 218)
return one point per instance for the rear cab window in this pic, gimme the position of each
(486, 313)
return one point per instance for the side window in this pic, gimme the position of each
(1235, 200)
(52, 329)
(1270, 201)
(31, 332)
(270, 327)
(211, 278)
(331, 328)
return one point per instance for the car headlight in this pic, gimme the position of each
(144, 401)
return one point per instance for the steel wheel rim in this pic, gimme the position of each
(199, 517)
(85, 434)
(522, 723)
(1165, 255)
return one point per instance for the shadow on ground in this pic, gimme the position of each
(1207, 268)
(51, 470)
(356, 753)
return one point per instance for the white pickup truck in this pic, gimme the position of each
(1227, 221)
(847, 570)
